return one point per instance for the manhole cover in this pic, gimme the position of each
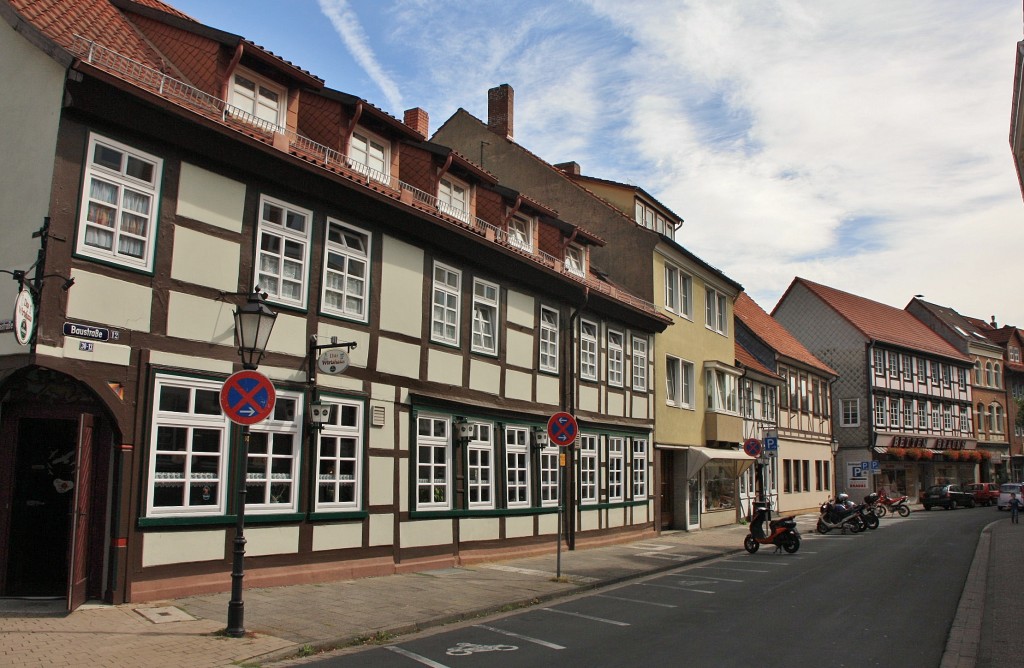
(165, 614)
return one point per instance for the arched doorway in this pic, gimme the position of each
(55, 494)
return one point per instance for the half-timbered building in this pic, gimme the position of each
(903, 397)
(169, 171)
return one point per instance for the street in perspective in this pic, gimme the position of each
(388, 333)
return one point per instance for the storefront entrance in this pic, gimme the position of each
(53, 505)
(44, 474)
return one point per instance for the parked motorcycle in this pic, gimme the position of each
(887, 504)
(781, 533)
(842, 514)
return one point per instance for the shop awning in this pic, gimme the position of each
(697, 457)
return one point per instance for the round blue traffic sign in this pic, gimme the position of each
(562, 429)
(247, 397)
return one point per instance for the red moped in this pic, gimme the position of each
(764, 530)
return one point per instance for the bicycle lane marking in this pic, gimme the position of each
(538, 641)
(415, 657)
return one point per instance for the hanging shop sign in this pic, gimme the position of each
(333, 362)
(24, 316)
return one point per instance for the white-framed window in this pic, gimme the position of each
(721, 391)
(517, 467)
(480, 466)
(520, 232)
(485, 317)
(282, 259)
(678, 382)
(947, 374)
(947, 418)
(977, 372)
(716, 311)
(346, 270)
(548, 349)
(453, 198)
(444, 319)
(188, 448)
(747, 398)
(433, 462)
(639, 364)
(961, 377)
(894, 364)
(615, 358)
(922, 414)
(262, 99)
(652, 219)
(878, 357)
(274, 451)
(549, 476)
(936, 372)
(339, 457)
(768, 406)
(639, 468)
(997, 375)
(851, 413)
(588, 469)
(574, 261)
(922, 370)
(370, 154)
(906, 367)
(880, 411)
(936, 425)
(616, 463)
(997, 418)
(908, 413)
(894, 412)
(678, 291)
(117, 221)
(588, 350)
(1014, 353)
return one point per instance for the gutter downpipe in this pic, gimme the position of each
(569, 406)
(347, 138)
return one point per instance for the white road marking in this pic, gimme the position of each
(415, 657)
(699, 591)
(537, 641)
(633, 600)
(596, 619)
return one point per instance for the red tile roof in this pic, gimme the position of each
(881, 322)
(774, 335)
(744, 358)
(95, 20)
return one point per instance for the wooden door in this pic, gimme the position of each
(78, 545)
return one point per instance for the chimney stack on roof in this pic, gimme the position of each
(499, 110)
(994, 325)
(571, 168)
(418, 120)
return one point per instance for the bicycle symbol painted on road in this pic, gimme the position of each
(466, 648)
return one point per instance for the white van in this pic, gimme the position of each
(1005, 490)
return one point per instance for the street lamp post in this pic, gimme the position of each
(835, 467)
(253, 324)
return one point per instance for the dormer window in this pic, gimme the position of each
(453, 198)
(262, 100)
(647, 216)
(574, 261)
(520, 232)
(370, 155)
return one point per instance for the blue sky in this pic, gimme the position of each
(860, 145)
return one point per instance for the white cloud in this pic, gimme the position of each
(347, 25)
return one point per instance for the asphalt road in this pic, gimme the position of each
(881, 598)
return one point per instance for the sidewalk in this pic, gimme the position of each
(284, 621)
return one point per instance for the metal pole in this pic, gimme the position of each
(561, 509)
(236, 606)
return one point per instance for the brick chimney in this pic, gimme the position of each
(499, 110)
(418, 120)
(571, 168)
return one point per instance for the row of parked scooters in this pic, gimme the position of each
(851, 517)
(841, 513)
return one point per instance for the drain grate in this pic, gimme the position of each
(165, 614)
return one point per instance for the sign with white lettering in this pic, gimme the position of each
(86, 331)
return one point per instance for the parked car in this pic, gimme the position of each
(1005, 490)
(985, 493)
(949, 497)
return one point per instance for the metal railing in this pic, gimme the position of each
(207, 105)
